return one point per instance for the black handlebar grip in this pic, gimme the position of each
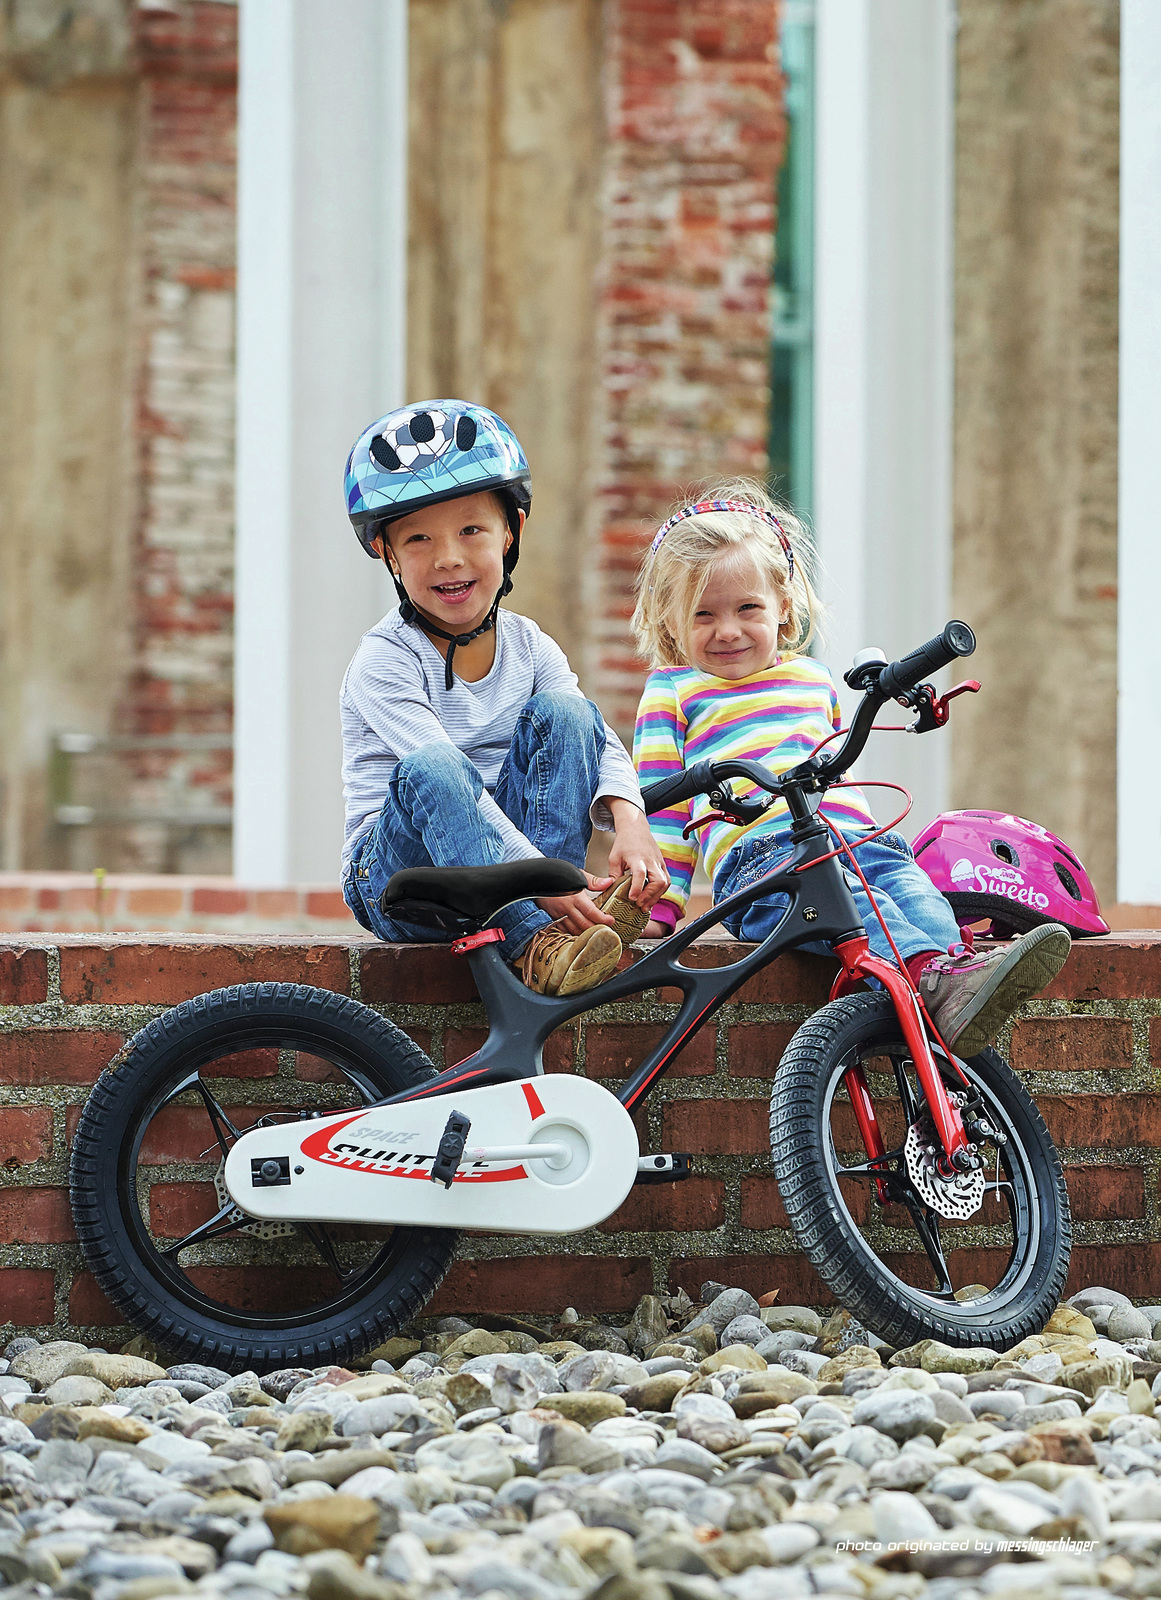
(698, 779)
(957, 639)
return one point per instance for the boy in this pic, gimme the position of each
(466, 739)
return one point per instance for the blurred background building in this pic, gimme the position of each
(886, 251)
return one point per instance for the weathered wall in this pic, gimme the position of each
(505, 126)
(68, 118)
(1089, 1050)
(695, 136)
(1036, 413)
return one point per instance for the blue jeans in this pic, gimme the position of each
(916, 913)
(432, 817)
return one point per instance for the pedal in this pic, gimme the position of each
(451, 1149)
(663, 1169)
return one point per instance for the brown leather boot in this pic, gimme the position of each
(568, 963)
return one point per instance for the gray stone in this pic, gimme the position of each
(775, 1345)
(900, 1519)
(744, 1330)
(73, 1391)
(997, 1402)
(909, 1470)
(600, 1369)
(708, 1406)
(724, 1308)
(713, 1433)
(45, 1363)
(796, 1319)
(513, 1388)
(861, 1379)
(808, 1362)
(956, 1483)
(124, 1566)
(899, 1413)
(648, 1325)
(684, 1455)
(63, 1461)
(950, 1408)
(1098, 1297)
(656, 1365)
(1126, 1322)
(1002, 1512)
(865, 1446)
(249, 1544)
(212, 1377)
(387, 1413)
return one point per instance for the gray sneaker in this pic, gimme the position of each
(969, 997)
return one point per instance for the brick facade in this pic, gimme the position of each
(1089, 1049)
(695, 134)
(182, 662)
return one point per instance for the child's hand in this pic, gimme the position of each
(573, 913)
(635, 850)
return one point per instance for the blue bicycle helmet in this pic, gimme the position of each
(424, 454)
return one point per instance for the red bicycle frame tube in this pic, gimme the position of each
(858, 962)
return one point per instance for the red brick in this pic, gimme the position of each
(558, 1056)
(175, 1209)
(616, 1050)
(1101, 1194)
(183, 1133)
(713, 1127)
(167, 971)
(792, 1275)
(275, 902)
(762, 1206)
(160, 903)
(414, 974)
(26, 1296)
(35, 1216)
(1133, 1269)
(1122, 966)
(90, 1307)
(23, 976)
(1105, 1121)
(1071, 1044)
(244, 1064)
(56, 1055)
(220, 902)
(544, 1284)
(25, 1134)
(693, 1204)
(755, 1048)
(329, 903)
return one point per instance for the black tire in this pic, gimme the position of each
(320, 1052)
(866, 1252)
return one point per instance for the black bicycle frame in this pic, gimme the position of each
(821, 908)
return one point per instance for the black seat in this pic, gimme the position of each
(475, 893)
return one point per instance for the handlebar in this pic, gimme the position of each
(880, 685)
(957, 639)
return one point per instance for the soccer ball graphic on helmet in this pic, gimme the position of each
(413, 443)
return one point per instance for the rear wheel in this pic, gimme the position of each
(991, 1275)
(157, 1226)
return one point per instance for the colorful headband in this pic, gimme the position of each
(703, 506)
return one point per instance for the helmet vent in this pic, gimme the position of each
(382, 452)
(421, 427)
(1005, 851)
(1067, 880)
(1068, 855)
(465, 433)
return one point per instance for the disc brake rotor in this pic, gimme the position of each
(956, 1197)
(259, 1230)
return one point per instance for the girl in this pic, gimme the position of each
(725, 609)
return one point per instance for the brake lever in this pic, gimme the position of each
(932, 710)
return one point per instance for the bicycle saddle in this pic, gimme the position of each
(475, 893)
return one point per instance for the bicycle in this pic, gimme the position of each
(880, 1137)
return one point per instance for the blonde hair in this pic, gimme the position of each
(673, 575)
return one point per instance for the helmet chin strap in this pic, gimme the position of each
(409, 613)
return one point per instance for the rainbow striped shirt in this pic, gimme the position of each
(776, 716)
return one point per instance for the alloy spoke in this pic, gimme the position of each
(927, 1227)
(323, 1243)
(873, 1168)
(224, 1130)
(227, 1220)
(906, 1094)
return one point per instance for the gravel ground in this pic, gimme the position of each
(701, 1452)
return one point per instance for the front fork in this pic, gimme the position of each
(857, 963)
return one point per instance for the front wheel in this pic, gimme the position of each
(157, 1225)
(989, 1277)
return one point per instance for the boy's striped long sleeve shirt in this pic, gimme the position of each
(776, 717)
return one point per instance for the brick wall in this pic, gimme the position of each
(183, 561)
(695, 133)
(1090, 1050)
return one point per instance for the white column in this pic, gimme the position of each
(1139, 520)
(883, 345)
(322, 173)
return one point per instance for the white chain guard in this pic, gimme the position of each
(374, 1166)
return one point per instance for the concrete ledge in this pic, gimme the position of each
(1090, 1050)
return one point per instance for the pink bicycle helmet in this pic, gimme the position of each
(991, 864)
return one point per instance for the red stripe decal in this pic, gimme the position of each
(533, 1100)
